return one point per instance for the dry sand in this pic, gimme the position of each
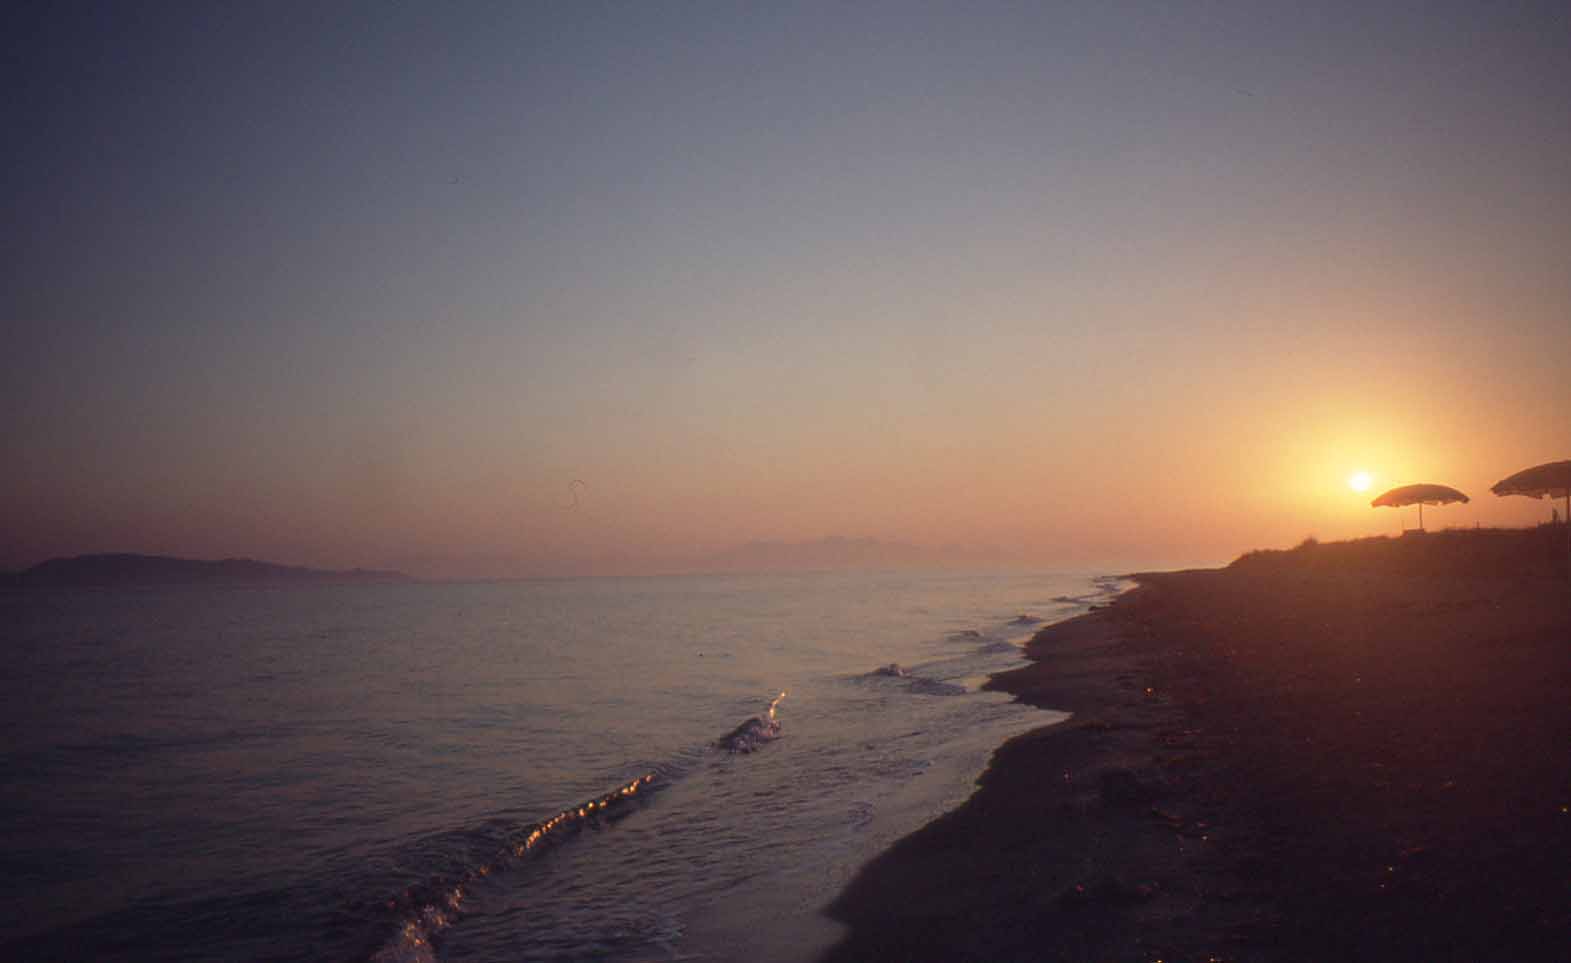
(1353, 751)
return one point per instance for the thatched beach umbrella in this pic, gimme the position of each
(1552, 479)
(1419, 495)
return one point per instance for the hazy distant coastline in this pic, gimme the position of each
(837, 552)
(134, 569)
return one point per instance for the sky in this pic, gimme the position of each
(529, 289)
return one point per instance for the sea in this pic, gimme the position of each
(613, 769)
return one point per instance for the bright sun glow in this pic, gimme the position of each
(1359, 481)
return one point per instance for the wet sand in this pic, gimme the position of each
(1352, 751)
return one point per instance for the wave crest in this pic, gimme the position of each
(753, 733)
(428, 912)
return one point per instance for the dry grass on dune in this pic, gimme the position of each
(1466, 552)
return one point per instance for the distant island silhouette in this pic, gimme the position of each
(132, 569)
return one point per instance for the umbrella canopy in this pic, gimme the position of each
(1419, 495)
(1552, 479)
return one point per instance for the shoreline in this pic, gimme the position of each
(1352, 751)
(1047, 841)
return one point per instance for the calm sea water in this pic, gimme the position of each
(486, 772)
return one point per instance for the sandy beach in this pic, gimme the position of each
(1355, 751)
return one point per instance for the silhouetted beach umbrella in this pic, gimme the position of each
(1552, 479)
(1419, 495)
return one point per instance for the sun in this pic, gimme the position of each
(1359, 481)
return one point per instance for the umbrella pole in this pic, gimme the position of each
(1420, 516)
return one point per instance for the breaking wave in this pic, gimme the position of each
(753, 733)
(935, 687)
(424, 913)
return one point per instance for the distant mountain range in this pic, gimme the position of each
(834, 552)
(128, 569)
